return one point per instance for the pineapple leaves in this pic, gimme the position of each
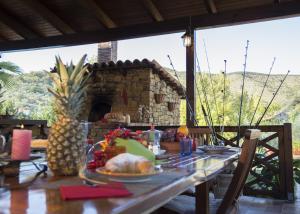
(55, 79)
(64, 76)
(80, 76)
(70, 87)
(70, 68)
(57, 96)
(78, 68)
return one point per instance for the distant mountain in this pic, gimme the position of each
(288, 95)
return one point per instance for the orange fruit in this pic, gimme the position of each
(183, 130)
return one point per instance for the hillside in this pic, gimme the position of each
(37, 101)
(254, 83)
(288, 95)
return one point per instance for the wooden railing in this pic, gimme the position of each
(7, 125)
(272, 170)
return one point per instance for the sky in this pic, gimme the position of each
(267, 40)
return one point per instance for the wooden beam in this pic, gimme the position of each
(3, 37)
(229, 18)
(99, 13)
(16, 25)
(190, 82)
(210, 6)
(153, 10)
(50, 16)
(288, 161)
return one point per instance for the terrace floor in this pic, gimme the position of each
(254, 205)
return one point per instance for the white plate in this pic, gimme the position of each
(214, 149)
(127, 177)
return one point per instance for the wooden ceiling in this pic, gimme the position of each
(27, 24)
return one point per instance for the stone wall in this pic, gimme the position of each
(161, 114)
(111, 86)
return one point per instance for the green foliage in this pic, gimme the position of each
(28, 97)
(296, 167)
(231, 104)
(7, 70)
(10, 66)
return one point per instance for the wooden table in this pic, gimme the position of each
(179, 174)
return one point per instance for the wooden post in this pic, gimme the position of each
(288, 160)
(282, 175)
(190, 80)
(202, 198)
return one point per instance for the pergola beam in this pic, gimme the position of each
(50, 16)
(210, 6)
(101, 15)
(2, 37)
(153, 10)
(17, 26)
(248, 15)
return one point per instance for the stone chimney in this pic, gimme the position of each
(107, 51)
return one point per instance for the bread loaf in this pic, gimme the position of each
(115, 117)
(128, 163)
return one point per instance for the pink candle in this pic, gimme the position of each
(21, 144)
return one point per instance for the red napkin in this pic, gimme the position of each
(112, 190)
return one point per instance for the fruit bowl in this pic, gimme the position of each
(98, 154)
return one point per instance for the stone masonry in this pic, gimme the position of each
(130, 88)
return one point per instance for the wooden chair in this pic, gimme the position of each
(202, 134)
(185, 204)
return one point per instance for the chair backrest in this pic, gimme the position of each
(202, 134)
(241, 172)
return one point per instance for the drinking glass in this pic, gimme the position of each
(85, 146)
(185, 146)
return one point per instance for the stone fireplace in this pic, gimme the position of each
(142, 89)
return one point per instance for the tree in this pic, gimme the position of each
(30, 97)
(10, 66)
(231, 104)
(7, 70)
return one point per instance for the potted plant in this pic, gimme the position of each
(160, 95)
(171, 106)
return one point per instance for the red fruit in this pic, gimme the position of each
(98, 152)
(100, 163)
(92, 165)
(98, 155)
(90, 141)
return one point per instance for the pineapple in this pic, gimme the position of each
(66, 138)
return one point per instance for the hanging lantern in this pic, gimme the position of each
(187, 39)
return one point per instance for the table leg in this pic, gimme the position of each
(202, 198)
